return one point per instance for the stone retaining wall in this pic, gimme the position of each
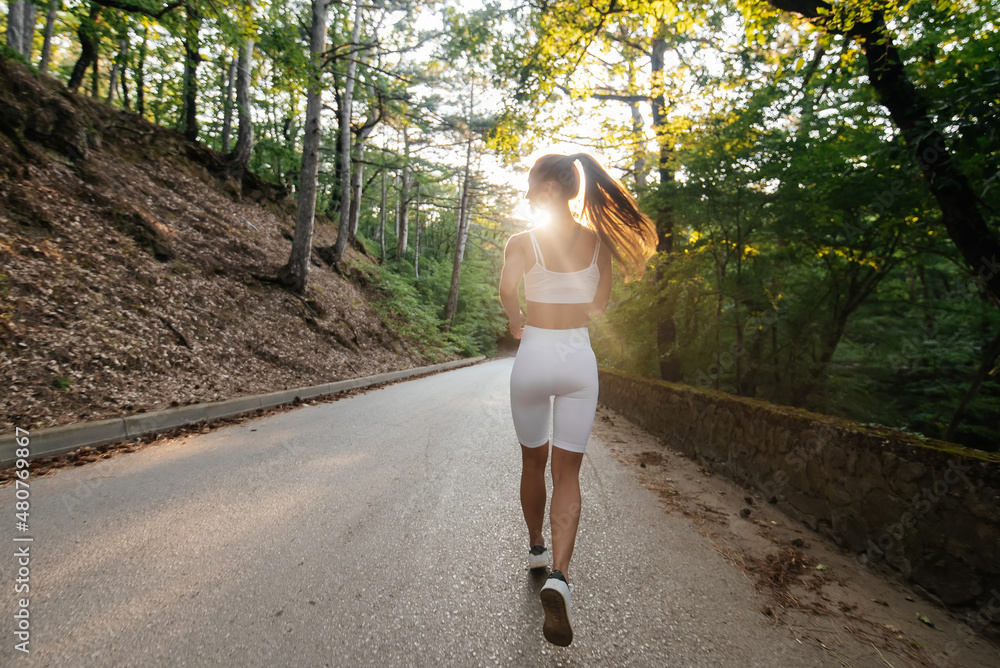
(928, 509)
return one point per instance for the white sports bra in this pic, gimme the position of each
(561, 287)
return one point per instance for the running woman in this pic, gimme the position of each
(566, 265)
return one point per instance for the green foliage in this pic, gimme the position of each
(415, 308)
(62, 382)
(405, 313)
(8, 53)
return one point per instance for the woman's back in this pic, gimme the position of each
(563, 249)
(564, 274)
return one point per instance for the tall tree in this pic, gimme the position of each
(461, 232)
(140, 73)
(666, 329)
(87, 33)
(227, 103)
(382, 213)
(15, 24)
(244, 133)
(344, 138)
(21, 27)
(375, 112)
(50, 23)
(404, 199)
(118, 64)
(296, 272)
(192, 58)
(416, 230)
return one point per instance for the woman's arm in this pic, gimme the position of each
(603, 295)
(510, 277)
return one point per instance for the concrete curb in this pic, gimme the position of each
(65, 438)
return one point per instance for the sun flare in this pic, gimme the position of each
(538, 217)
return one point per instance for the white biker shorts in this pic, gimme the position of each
(554, 381)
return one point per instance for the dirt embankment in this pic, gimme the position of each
(129, 265)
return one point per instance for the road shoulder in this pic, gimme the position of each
(805, 583)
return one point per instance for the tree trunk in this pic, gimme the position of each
(737, 319)
(50, 23)
(227, 108)
(460, 237)
(95, 78)
(287, 133)
(638, 160)
(21, 27)
(381, 218)
(638, 131)
(112, 82)
(719, 304)
(117, 66)
(357, 179)
(344, 140)
(395, 218)
(909, 111)
(28, 30)
(87, 34)
(666, 330)
(244, 133)
(158, 95)
(404, 200)
(357, 182)
(295, 274)
(336, 196)
(140, 74)
(126, 101)
(416, 230)
(15, 24)
(192, 57)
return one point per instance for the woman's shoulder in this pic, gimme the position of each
(517, 241)
(518, 238)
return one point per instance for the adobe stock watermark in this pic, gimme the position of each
(22, 552)
(80, 495)
(886, 198)
(882, 202)
(579, 339)
(795, 459)
(917, 509)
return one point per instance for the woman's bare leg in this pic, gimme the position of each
(533, 462)
(565, 512)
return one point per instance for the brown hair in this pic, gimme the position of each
(611, 211)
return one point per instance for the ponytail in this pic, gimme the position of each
(610, 209)
(615, 216)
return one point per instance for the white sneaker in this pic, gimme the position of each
(555, 595)
(538, 557)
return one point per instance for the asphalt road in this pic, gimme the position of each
(382, 529)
